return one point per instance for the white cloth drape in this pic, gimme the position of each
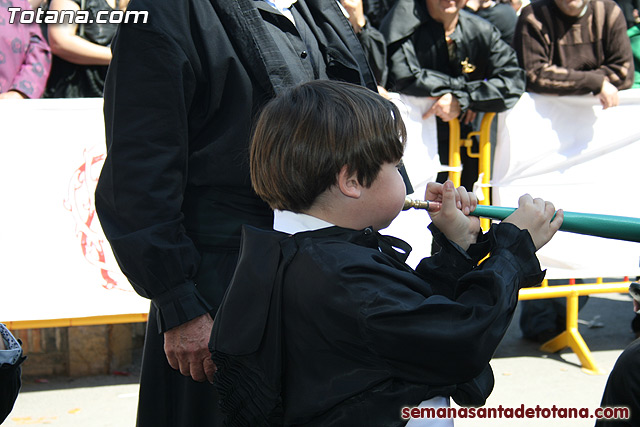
(56, 263)
(564, 149)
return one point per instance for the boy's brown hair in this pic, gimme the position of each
(306, 135)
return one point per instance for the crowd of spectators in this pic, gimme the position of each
(70, 60)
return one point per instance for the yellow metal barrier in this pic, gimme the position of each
(483, 155)
(455, 142)
(77, 321)
(571, 336)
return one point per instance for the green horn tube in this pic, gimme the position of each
(607, 226)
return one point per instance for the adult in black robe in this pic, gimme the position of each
(343, 332)
(479, 69)
(181, 95)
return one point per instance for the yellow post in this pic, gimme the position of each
(571, 336)
(483, 155)
(76, 321)
(456, 142)
(484, 162)
(454, 152)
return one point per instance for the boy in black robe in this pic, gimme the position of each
(323, 322)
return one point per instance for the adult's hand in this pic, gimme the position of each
(356, 14)
(187, 350)
(468, 117)
(608, 95)
(383, 92)
(447, 107)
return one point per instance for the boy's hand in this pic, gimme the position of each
(453, 218)
(535, 216)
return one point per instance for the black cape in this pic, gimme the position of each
(337, 312)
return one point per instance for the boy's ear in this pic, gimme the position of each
(348, 183)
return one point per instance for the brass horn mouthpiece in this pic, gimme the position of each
(420, 204)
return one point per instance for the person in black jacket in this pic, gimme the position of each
(437, 50)
(326, 304)
(11, 359)
(181, 96)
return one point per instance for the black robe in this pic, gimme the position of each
(324, 328)
(181, 96)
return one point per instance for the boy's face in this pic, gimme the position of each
(385, 197)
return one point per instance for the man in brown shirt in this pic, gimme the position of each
(570, 47)
(574, 47)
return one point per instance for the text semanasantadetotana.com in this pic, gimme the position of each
(619, 413)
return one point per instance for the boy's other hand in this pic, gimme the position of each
(453, 218)
(535, 216)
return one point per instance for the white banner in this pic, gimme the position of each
(563, 149)
(422, 163)
(56, 263)
(570, 151)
